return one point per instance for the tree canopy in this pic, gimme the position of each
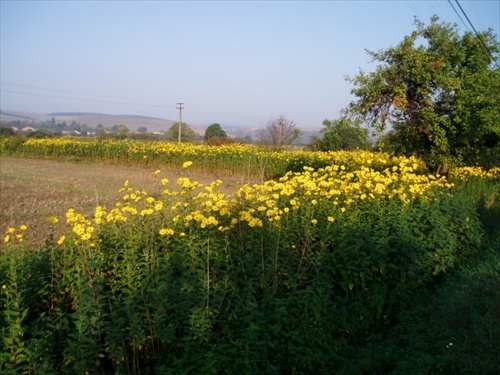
(440, 93)
(215, 135)
(187, 134)
(341, 134)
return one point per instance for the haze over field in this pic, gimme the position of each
(133, 122)
(235, 63)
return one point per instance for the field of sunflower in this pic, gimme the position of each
(286, 276)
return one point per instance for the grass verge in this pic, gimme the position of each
(451, 328)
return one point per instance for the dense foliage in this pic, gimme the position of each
(341, 134)
(215, 135)
(439, 91)
(288, 276)
(187, 134)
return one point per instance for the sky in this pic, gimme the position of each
(237, 63)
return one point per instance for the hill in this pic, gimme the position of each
(133, 122)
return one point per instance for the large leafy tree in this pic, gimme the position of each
(341, 134)
(215, 135)
(187, 134)
(439, 91)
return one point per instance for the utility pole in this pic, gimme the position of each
(180, 108)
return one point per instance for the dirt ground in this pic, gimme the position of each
(32, 190)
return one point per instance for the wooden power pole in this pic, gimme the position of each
(180, 108)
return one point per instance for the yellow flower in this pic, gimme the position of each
(53, 219)
(314, 221)
(61, 240)
(11, 230)
(23, 227)
(166, 232)
(6, 239)
(331, 219)
(147, 211)
(187, 164)
(155, 173)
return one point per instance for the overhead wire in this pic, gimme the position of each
(82, 93)
(478, 35)
(458, 15)
(205, 110)
(148, 103)
(82, 99)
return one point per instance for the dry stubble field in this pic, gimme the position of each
(32, 190)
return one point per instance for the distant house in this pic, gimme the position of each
(28, 129)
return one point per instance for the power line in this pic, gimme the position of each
(477, 15)
(78, 93)
(477, 34)
(83, 99)
(218, 113)
(459, 16)
(148, 103)
(468, 20)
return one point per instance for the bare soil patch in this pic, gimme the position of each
(32, 190)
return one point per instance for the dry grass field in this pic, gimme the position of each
(32, 190)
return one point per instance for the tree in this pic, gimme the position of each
(215, 135)
(439, 92)
(387, 143)
(341, 134)
(187, 134)
(123, 130)
(142, 129)
(6, 131)
(279, 133)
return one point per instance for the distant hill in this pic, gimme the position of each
(9, 116)
(133, 122)
(74, 114)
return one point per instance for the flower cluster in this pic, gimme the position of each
(315, 195)
(13, 234)
(465, 173)
(80, 225)
(233, 159)
(326, 192)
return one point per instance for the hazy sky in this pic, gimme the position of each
(231, 62)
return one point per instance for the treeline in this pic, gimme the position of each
(214, 134)
(52, 127)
